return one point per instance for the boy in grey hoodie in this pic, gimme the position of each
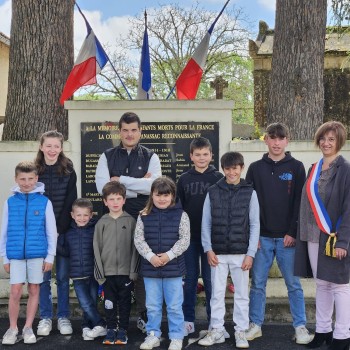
(115, 262)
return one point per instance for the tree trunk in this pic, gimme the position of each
(296, 91)
(41, 57)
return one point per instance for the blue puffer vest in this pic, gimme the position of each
(26, 236)
(230, 217)
(81, 250)
(161, 230)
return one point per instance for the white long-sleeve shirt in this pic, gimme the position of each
(50, 223)
(134, 186)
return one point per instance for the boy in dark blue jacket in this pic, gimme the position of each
(79, 247)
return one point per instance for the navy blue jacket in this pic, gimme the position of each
(78, 246)
(62, 192)
(230, 216)
(161, 230)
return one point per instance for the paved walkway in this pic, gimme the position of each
(275, 337)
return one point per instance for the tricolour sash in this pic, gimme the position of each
(319, 210)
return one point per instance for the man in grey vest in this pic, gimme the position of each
(136, 167)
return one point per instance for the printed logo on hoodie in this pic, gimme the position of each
(286, 177)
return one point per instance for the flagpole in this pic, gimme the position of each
(209, 30)
(110, 62)
(171, 92)
(145, 14)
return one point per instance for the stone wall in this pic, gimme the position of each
(336, 75)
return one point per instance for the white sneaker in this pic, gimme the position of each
(64, 326)
(241, 340)
(28, 336)
(84, 334)
(44, 327)
(188, 328)
(97, 331)
(175, 344)
(302, 335)
(214, 336)
(254, 331)
(151, 341)
(10, 337)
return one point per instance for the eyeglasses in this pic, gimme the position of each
(328, 139)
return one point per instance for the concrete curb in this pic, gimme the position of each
(277, 303)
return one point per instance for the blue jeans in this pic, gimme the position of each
(192, 255)
(170, 290)
(87, 290)
(271, 247)
(62, 280)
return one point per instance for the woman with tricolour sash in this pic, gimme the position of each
(322, 249)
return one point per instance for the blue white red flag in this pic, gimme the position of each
(144, 90)
(187, 83)
(90, 61)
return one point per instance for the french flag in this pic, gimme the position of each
(187, 83)
(144, 90)
(90, 61)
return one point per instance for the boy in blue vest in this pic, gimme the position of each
(230, 235)
(80, 250)
(27, 246)
(191, 189)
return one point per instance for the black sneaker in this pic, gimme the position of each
(122, 337)
(110, 337)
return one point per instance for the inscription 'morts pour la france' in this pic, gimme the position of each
(170, 140)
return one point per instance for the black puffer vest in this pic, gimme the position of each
(161, 230)
(134, 164)
(55, 187)
(230, 217)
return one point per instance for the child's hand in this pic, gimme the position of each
(247, 263)
(212, 258)
(7, 268)
(147, 175)
(47, 266)
(164, 258)
(155, 261)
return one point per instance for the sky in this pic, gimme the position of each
(109, 18)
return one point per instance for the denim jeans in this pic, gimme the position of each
(86, 290)
(271, 247)
(62, 280)
(192, 256)
(170, 290)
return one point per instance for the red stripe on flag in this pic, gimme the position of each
(188, 82)
(81, 74)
